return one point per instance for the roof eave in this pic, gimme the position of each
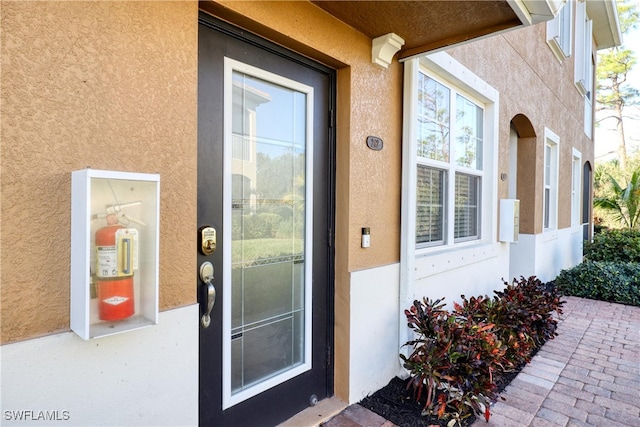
(535, 11)
(606, 26)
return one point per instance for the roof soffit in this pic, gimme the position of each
(606, 27)
(425, 25)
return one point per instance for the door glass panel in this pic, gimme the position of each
(270, 215)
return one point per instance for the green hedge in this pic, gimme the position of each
(614, 246)
(605, 281)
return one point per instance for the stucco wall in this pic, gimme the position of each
(113, 85)
(147, 377)
(109, 85)
(534, 83)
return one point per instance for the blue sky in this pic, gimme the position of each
(605, 132)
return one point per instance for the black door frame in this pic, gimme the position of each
(254, 40)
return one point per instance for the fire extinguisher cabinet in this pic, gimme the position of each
(115, 219)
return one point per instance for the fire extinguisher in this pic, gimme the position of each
(115, 262)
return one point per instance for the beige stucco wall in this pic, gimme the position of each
(109, 85)
(534, 83)
(113, 85)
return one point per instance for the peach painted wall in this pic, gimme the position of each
(113, 85)
(527, 74)
(109, 85)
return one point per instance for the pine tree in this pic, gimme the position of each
(614, 93)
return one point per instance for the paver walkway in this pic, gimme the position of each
(589, 375)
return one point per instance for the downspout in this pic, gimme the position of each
(408, 220)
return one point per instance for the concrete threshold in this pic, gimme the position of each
(316, 415)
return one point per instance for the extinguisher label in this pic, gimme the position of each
(127, 251)
(115, 300)
(106, 261)
(119, 260)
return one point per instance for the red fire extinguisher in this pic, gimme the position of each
(115, 252)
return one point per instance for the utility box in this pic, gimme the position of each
(115, 219)
(509, 220)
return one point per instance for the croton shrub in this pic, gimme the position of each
(457, 355)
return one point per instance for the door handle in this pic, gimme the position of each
(206, 275)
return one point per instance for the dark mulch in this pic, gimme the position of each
(396, 403)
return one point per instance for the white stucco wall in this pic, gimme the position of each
(146, 377)
(545, 255)
(472, 271)
(378, 327)
(374, 351)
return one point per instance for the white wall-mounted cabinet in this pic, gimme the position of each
(115, 219)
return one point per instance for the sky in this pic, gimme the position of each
(605, 135)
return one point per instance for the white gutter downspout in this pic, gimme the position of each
(406, 293)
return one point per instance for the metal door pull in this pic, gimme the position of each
(206, 275)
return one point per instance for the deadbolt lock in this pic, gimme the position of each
(208, 241)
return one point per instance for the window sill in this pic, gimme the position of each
(557, 50)
(433, 261)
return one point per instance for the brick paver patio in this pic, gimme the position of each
(589, 375)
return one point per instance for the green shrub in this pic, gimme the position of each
(614, 246)
(256, 226)
(605, 281)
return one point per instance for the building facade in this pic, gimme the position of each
(349, 158)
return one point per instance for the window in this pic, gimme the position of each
(585, 63)
(584, 51)
(559, 32)
(576, 181)
(588, 100)
(550, 197)
(450, 157)
(449, 175)
(430, 211)
(547, 185)
(467, 210)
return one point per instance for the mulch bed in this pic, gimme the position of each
(396, 403)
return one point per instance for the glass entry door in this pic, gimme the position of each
(265, 215)
(268, 206)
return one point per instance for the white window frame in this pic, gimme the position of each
(450, 170)
(550, 181)
(583, 74)
(588, 97)
(576, 188)
(444, 69)
(585, 64)
(560, 32)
